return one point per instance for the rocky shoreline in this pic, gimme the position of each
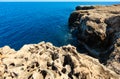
(45, 61)
(98, 29)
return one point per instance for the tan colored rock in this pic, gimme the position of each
(45, 61)
(98, 29)
(96, 26)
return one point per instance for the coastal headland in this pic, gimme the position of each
(97, 28)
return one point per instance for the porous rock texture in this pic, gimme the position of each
(98, 29)
(45, 61)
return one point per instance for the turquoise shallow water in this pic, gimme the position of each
(32, 22)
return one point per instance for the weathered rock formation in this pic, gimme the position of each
(113, 61)
(98, 29)
(45, 61)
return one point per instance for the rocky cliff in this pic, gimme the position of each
(95, 27)
(98, 29)
(45, 61)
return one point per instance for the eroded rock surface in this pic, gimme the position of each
(45, 61)
(98, 29)
(114, 58)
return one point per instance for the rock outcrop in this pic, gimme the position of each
(98, 29)
(45, 61)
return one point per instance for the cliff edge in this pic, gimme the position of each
(45, 61)
(97, 28)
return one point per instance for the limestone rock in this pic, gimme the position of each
(98, 29)
(114, 58)
(45, 61)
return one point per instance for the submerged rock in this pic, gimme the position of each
(98, 29)
(45, 61)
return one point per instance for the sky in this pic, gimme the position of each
(60, 0)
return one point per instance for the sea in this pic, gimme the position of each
(32, 22)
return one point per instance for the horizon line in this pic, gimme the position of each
(59, 1)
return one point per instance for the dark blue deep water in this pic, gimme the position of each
(27, 22)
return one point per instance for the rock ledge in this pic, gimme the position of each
(45, 61)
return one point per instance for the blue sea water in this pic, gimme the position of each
(32, 22)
